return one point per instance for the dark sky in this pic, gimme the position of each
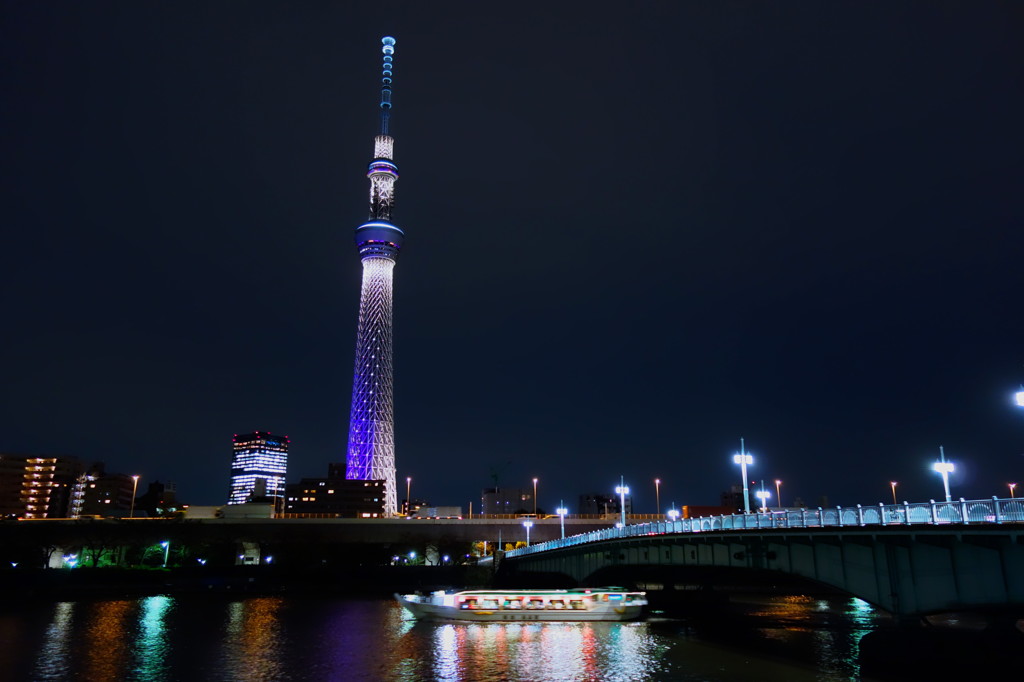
(636, 232)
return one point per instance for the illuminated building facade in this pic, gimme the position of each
(37, 487)
(370, 453)
(259, 466)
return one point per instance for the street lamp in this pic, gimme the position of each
(534, 497)
(527, 525)
(166, 544)
(673, 513)
(778, 492)
(743, 459)
(657, 495)
(893, 484)
(1011, 486)
(562, 511)
(1019, 396)
(622, 489)
(763, 495)
(408, 491)
(945, 468)
(135, 488)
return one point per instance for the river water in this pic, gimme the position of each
(293, 638)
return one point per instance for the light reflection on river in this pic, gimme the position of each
(289, 638)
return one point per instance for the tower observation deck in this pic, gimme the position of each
(371, 436)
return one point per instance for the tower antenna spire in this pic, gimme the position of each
(388, 48)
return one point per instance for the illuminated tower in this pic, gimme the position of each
(371, 435)
(258, 467)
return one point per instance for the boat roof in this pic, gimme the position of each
(542, 593)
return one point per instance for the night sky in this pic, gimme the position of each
(636, 232)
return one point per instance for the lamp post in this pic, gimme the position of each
(763, 495)
(562, 511)
(893, 484)
(673, 513)
(1011, 486)
(166, 544)
(622, 489)
(743, 459)
(1019, 396)
(135, 488)
(408, 493)
(527, 525)
(657, 495)
(945, 468)
(534, 497)
(778, 492)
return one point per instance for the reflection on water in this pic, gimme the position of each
(106, 648)
(54, 658)
(538, 651)
(252, 647)
(151, 645)
(274, 638)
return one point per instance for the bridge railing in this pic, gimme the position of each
(961, 511)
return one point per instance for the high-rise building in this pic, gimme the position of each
(37, 487)
(371, 438)
(258, 467)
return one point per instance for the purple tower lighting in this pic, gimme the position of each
(371, 435)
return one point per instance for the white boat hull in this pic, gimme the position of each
(428, 610)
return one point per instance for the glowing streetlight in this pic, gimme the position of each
(135, 488)
(534, 497)
(1019, 396)
(893, 484)
(673, 513)
(408, 491)
(1011, 486)
(945, 468)
(763, 495)
(527, 525)
(657, 495)
(166, 544)
(743, 459)
(778, 491)
(562, 511)
(622, 489)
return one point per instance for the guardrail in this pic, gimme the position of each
(993, 511)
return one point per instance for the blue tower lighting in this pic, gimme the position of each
(371, 439)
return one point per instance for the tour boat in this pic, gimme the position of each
(583, 604)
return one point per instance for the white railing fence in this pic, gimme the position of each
(968, 512)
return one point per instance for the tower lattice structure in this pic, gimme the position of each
(371, 436)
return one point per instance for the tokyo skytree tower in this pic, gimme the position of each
(371, 436)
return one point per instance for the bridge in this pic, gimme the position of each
(909, 559)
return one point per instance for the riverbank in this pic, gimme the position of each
(370, 581)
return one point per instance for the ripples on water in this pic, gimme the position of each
(274, 638)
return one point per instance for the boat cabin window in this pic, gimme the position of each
(557, 604)
(577, 604)
(489, 604)
(535, 604)
(512, 604)
(468, 604)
